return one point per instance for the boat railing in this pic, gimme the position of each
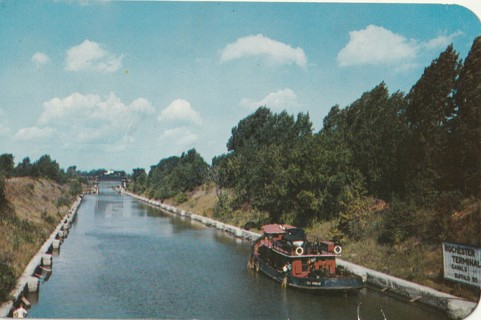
(309, 248)
(281, 246)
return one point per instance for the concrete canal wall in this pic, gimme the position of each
(455, 307)
(29, 280)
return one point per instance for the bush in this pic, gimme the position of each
(48, 218)
(62, 201)
(431, 224)
(401, 221)
(438, 226)
(3, 196)
(355, 221)
(75, 188)
(182, 197)
(7, 281)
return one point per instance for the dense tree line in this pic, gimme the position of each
(171, 176)
(420, 152)
(44, 167)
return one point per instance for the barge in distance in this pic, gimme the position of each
(283, 253)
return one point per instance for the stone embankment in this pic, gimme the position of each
(455, 307)
(29, 281)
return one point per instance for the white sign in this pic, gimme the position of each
(462, 263)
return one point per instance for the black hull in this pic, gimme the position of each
(321, 284)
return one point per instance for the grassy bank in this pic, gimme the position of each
(31, 210)
(410, 259)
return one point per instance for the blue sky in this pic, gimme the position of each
(123, 84)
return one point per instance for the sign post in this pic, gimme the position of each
(462, 263)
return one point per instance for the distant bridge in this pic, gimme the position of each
(115, 176)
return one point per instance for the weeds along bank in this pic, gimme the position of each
(29, 211)
(411, 259)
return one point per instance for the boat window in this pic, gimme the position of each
(305, 265)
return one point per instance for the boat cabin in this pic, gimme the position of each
(286, 248)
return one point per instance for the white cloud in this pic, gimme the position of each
(79, 119)
(274, 51)
(121, 145)
(180, 110)
(90, 110)
(279, 100)
(181, 137)
(40, 59)
(90, 56)
(34, 134)
(375, 45)
(441, 41)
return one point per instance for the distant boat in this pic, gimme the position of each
(284, 254)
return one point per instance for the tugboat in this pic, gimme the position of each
(284, 254)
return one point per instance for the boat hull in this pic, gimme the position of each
(339, 283)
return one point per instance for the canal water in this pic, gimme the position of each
(125, 259)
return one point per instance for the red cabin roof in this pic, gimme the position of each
(276, 228)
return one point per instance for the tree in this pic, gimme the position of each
(7, 165)
(3, 196)
(467, 125)
(177, 174)
(263, 128)
(430, 106)
(138, 182)
(265, 167)
(72, 171)
(24, 168)
(47, 168)
(374, 132)
(253, 129)
(340, 180)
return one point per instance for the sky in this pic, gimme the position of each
(123, 84)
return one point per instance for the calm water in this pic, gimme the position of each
(124, 259)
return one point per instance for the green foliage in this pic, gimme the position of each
(24, 168)
(419, 151)
(75, 187)
(172, 175)
(7, 165)
(45, 167)
(7, 280)
(470, 224)
(439, 222)
(264, 167)
(399, 221)
(138, 182)
(354, 222)
(182, 197)
(431, 224)
(3, 196)
(430, 108)
(72, 172)
(375, 132)
(62, 201)
(467, 124)
(48, 218)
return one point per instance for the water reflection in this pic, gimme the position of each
(108, 207)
